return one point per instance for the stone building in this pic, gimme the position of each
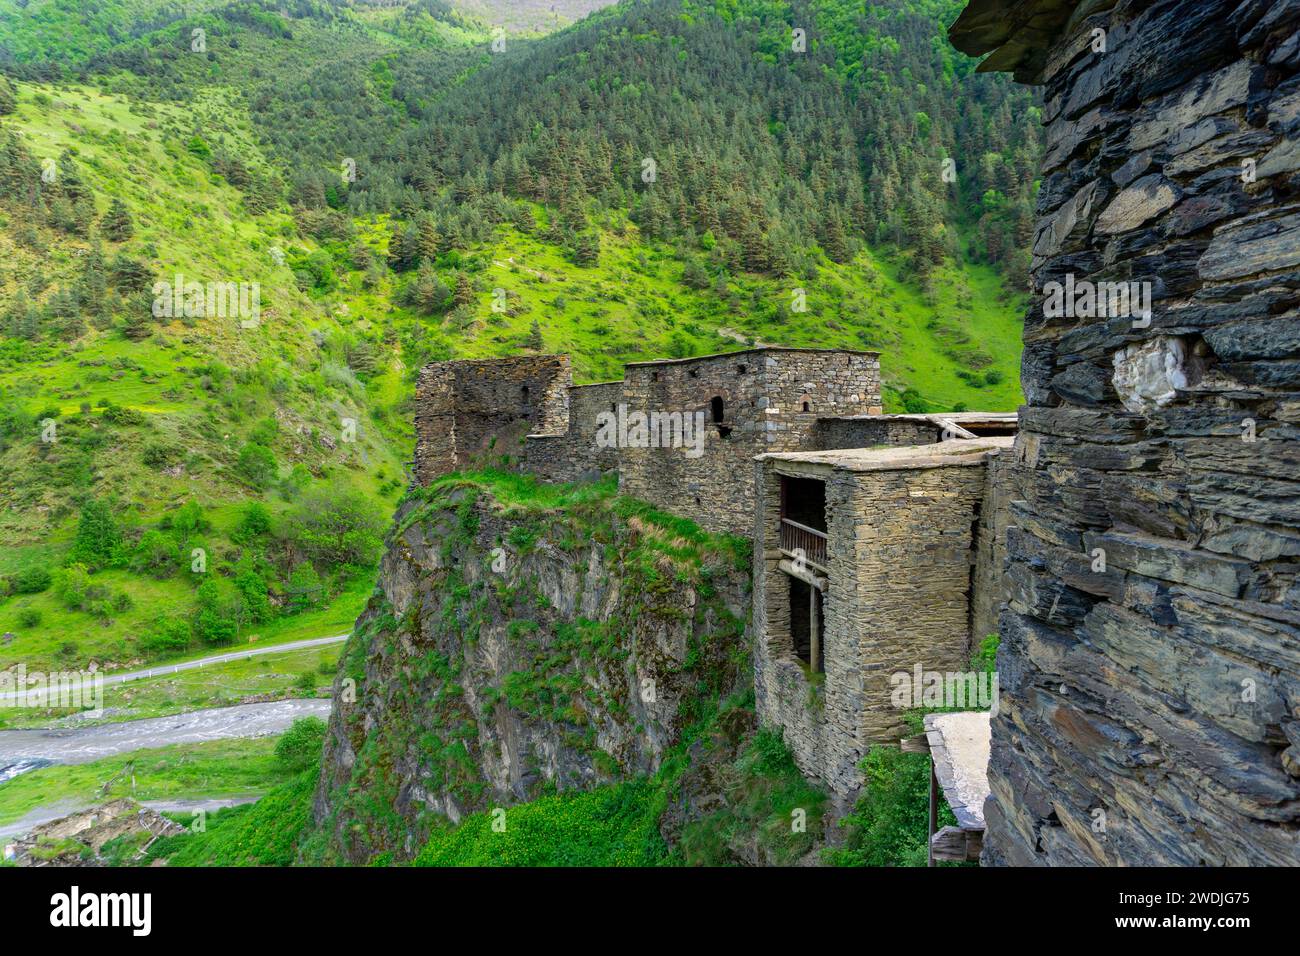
(869, 562)
(717, 412)
(468, 411)
(761, 400)
(1150, 660)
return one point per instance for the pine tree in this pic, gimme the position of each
(116, 224)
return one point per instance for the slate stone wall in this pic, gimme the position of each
(574, 454)
(470, 412)
(868, 431)
(1150, 659)
(901, 548)
(764, 394)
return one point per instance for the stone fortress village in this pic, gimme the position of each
(1133, 535)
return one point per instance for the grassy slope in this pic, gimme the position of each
(267, 677)
(632, 305)
(186, 220)
(219, 768)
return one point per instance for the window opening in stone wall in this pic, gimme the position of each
(803, 519)
(654, 376)
(741, 369)
(716, 416)
(807, 632)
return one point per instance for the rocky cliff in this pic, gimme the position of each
(523, 640)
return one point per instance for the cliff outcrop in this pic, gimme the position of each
(524, 640)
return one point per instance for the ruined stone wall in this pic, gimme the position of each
(1150, 659)
(869, 431)
(575, 453)
(435, 422)
(763, 395)
(989, 591)
(899, 589)
(467, 412)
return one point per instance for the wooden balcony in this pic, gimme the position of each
(799, 540)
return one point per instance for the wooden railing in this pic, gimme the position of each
(796, 538)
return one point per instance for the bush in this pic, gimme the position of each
(160, 455)
(335, 527)
(98, 543)
(168, 636)
(211, 625)
(32, 580)
(300, 746)
(72, 586)
(155, 554)
(188, 521)
(29, 617)
(254, 522)
(257, 465)
(304, 590)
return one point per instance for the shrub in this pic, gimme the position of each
(29, 617)
(254, 522)
(32, 580)
(304, 589)
(154, 554)
(335, 527)
(160, 455)
(189, 520)
(252, 592)
(300, 746)
(98, 543)
(256, 465)
(72, 586)
(211, 625)
(168, 636)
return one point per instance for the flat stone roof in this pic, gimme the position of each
(1018, 32)
(754, 351)
(958, 452)
(1009, 418)
(959, 747)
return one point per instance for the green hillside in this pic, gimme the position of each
(799, 201)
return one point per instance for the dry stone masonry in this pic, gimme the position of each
(1150, 658)
(527, 409)
(905, 541)
(911, 577)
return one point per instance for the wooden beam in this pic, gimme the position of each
(919, 744)
(955, 845)
(934, 816)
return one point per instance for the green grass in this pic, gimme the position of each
(265, 833)
(269, 677)
(117, 647)
(614, 825)
(220, 768)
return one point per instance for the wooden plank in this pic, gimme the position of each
(915, 745)
(955, 845)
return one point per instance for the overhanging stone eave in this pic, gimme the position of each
(1014, 36)
(956, 453)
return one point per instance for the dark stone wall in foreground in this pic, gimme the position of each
(1150, 660)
